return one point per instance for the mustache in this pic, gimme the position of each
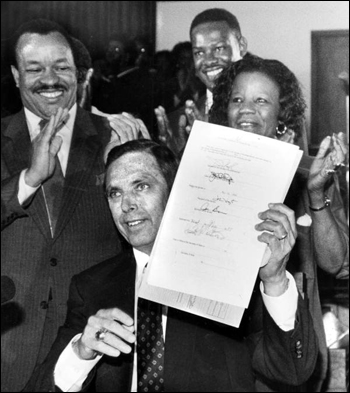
(46, 87)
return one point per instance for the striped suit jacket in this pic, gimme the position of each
(41, 266)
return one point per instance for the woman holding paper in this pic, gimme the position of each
(264, 97)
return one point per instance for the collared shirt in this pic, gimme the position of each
(71, 371)
(65, 132)
(208, 102)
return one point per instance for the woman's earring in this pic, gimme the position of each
(281, 129)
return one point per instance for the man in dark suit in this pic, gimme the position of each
(217, 41)
(41, 249)
(95, 345)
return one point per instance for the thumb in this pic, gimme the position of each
(182, 126)
(325, 144)
(55, 145)
(288, 137)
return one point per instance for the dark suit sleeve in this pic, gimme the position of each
(42, 379)
(286, 358)
(10, 207)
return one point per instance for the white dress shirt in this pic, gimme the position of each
(208, 101)
(66, 132)
(71, 371)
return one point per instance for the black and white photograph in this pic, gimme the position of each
(174, 196)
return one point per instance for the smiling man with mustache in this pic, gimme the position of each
(46, 73)
(42, 248)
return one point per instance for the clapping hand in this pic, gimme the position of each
(45, 147)
(331, 155)
(192, 114)
(125, 127)
(176, 141)
(165, 133)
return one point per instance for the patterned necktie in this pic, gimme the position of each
(150, 347)
(53, 190)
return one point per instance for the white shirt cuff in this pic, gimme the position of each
(282, 308)
(24, 191)
(71, 371)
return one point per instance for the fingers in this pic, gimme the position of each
(279, 233)
(54, 125)
(88, 76)
(55, 145)
(119, 332)
(324, 146)
(276, 246)
(278, 221)
(340, 148)
(192, 112)
(288, 137)
(340, 138)
(182, 126)
(163, 124)
(143, 129)
(289, 213)
(160, 111)
(331, 155)
(125, 128)
(117, 315)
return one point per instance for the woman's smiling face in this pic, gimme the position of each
(254, 104)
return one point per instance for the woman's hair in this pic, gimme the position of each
(166, 159)
(292, 103)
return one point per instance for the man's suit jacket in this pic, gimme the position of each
(40, 266)
(200, 355)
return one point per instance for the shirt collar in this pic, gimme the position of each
(141, 261)
(209, 101)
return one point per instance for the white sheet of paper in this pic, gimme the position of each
(211, 309)
(207, 245)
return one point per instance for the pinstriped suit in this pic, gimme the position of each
(42, 267)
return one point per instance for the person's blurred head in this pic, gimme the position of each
(216, 42)
(83, 59)
(139, 177)
(44, 67)
(144, 52)
(259, 96)
(182, 55)
(115, 50)
(85, 74)
(163, 64)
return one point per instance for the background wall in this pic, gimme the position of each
(91, 21)
(274, 29)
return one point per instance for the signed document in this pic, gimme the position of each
(207, 245)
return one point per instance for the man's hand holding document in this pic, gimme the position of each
(206, 256)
